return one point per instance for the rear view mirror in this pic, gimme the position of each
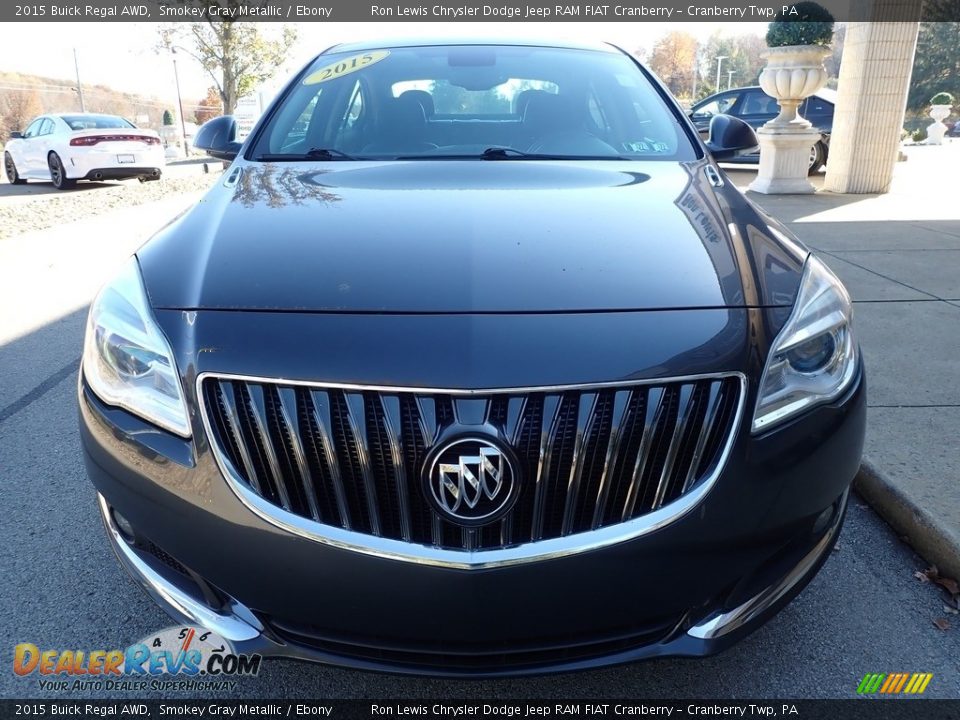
(218, 137)
(730, 137)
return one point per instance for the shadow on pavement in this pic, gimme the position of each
(45, 188)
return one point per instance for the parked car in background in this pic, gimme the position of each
(754, 106)
(954, 130)
(66, 147)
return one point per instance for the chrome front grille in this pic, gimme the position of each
(344, 463)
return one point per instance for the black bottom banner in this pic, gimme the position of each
(866, 708)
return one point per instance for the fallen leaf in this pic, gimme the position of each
(922, 577)
(932, 572)
(949, 584)
(951, 610)
(942, 624)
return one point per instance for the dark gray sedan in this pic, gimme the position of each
(755, 107)
(474, 362)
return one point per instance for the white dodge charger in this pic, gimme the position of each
(67, 147)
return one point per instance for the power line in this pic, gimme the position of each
(16, 85)
(128, 98)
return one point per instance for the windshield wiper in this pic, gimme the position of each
(311, 154)
(507, 153)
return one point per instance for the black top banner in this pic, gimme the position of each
(464, 10)
(453, 709)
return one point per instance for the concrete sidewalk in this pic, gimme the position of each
(899, 255)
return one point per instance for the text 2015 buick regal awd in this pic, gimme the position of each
(473, 363)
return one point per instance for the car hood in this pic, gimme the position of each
(467, 237)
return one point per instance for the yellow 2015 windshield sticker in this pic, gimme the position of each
(345, 66)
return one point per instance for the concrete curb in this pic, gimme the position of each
(936, 542)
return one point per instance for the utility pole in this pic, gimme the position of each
(693, 97)
(76, 66)
(720, 59)
(183, 122)
(730, 74)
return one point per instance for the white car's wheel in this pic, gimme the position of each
(13, 177)
(58, 174)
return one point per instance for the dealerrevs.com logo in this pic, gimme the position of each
(178, 658)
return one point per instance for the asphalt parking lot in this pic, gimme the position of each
(865, 612)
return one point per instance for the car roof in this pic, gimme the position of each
(825, 93)
(511, 42)
(67, 113)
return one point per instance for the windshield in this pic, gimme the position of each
(95, 122)
(489, 102)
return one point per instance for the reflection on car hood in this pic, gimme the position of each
(454, 237)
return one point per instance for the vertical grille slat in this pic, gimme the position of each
(258, 406)
(393, 427)
(683, 418)
(357, 423)
(320, 400)
(549, 425)
(232, 421)
(586, 417)
(621, 403)
(587, 458)
(654, 408)
(289, 417)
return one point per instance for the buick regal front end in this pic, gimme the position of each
(474, 363)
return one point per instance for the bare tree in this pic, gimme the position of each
(238, 56)
(17, 108)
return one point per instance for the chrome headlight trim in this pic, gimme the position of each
(814, 358)
(127, 361)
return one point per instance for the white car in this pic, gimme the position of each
(67, 147)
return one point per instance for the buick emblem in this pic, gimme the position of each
(471, 481)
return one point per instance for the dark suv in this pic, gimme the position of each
(755, 107)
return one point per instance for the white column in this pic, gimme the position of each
(873, 85)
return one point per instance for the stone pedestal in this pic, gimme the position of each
(793, 73)
(784, 160)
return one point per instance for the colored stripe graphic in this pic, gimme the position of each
(894, 683)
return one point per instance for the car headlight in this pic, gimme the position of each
(814, 357)
(127, 361)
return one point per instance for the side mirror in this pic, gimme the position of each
(218, 137)
(16, 135)
(730, 137)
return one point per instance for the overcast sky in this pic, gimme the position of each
(120, 54)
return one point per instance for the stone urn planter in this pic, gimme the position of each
(936, 130)
(798, 41)
(793, 73)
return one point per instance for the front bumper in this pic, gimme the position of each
(691, 588)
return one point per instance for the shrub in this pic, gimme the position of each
(167, 117)
(920, 134)
(942, 98)
(811, 24)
